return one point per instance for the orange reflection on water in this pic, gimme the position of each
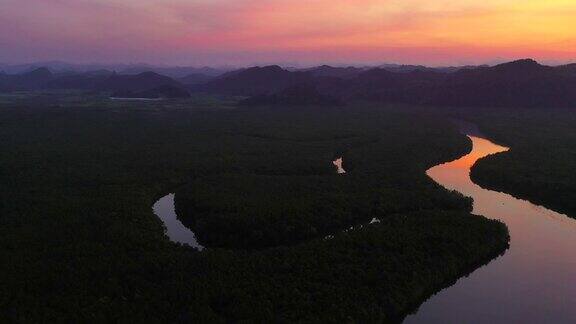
(482, 148)
(534, 282)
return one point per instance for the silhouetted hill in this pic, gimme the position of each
(166, 91)
(569, 69)
(31, 80)
(99, 80)
(336, 72)
(4, 82)
(103, 80)
(173, 72)
(100, 72)
(384, 86)
(523, 83)
(81, 81)
(303, 94)
(411, 68)
(397, 68)
(138, 82)
(195, 79)
(39, 74)
(64, 67)
(255, 81)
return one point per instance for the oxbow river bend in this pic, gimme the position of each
(177, 232)
(533, 282)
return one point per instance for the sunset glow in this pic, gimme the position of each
(255, 31)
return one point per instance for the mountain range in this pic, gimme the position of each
(58, 67)
(145, 84)
(522, 83)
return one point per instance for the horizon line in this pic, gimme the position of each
(285, 64)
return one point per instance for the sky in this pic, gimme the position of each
(299, 32)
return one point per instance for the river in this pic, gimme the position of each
(533, 282)
(175, 230)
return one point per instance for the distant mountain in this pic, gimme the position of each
(106, 81)
(173, 72)
(569, 69)
(166, 91)
(138, 82)
(398, 68)
(298, 95)
(100, 72)
(336, 72)
(392, 87)
(4, 82)
(81, 81)
(31, 80)
(58, 67)
(522, 83)
(255, 81)
(99, 80)
(195, 79)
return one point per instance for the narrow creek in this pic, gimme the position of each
(175, 230)
(533, 282)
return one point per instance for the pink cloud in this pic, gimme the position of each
(191, 31)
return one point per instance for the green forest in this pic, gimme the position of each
(80, 243)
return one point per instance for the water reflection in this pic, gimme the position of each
(534, 282)
(176, 231)
(338, 163)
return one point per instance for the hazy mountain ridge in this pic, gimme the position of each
(30, 80)
(521, 83)
(135, 82)
(336, 72)
(255, 81)
(64, 67)
(195, 79)
(148, 83)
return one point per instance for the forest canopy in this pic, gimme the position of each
(78, 177)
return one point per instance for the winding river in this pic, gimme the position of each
(177, 232)
(533, 282)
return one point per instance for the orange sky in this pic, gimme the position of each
(433, 32)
